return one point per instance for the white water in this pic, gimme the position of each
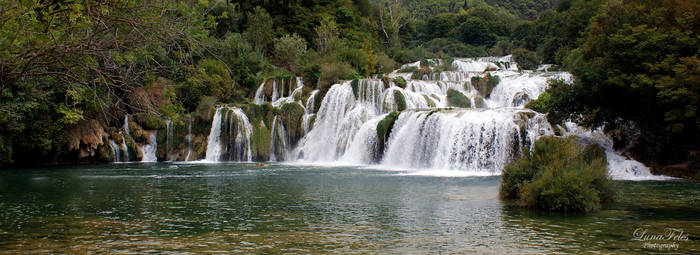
(115, 150)
(148, 150)
(189, 140)
(238, 128)
(427, 138)
(125, 129)
(476, 141)
(214, 138)
(278, 99)
(447, 142)
(471, 140)
(273, 135)
(168, 136)
(308, 111)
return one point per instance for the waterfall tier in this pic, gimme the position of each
(466, 118)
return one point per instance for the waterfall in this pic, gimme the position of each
(278, 98)
(124, 148)
(239, 130)
(148, 150)
(473, 140)
(236, 135)
(115, 150)
(168, 136)
(189, 139)
(214, 139)
(125, 129)
(427, 135)
(273, 135)
(308, 111)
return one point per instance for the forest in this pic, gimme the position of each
(66, 63)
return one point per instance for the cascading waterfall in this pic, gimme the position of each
(236, 133)
(214, 139)
(115, 150)
(125, 129)
(277, 98)
(239, 129)
(149, 150)
(189, 140)
(273, 136)
(426, 135)
(168, 136)
(477, 141)
(308, 111)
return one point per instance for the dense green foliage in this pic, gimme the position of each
(639, 62)
(66, 63)
(559, 175)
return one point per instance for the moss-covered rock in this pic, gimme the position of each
(400, 82)
(520, 99)
(479, 102)
(384, 131)
(355, 84)
(386, 81)
(485, 85)
(400, 100)
(260, 141)
(423, 71)
(291, 115)
(148, 121)
(457, 99)
(560, 174)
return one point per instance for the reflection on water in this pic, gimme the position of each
(240, 208)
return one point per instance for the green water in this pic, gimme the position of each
(241, 208)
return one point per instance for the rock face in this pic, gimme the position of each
(457, 99)
(485, 85)
(86, 138)
(689, 169)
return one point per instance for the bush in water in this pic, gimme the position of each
(559, 175)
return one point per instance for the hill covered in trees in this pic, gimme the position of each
(63, 63)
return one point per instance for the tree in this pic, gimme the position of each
(392, 17)
(326, 33)
(640, 63)
(289, 50)
(259, 29)
(476, 31)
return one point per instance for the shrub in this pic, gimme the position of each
(212, 78)
(541, 104)
(289, 50)
(408, 69)
(526, 59)
(384, 64)
(333, 70)
(400, 81)
(310, 74)
(457, 99)
(559, 175)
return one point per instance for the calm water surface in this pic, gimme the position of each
(241, 208)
